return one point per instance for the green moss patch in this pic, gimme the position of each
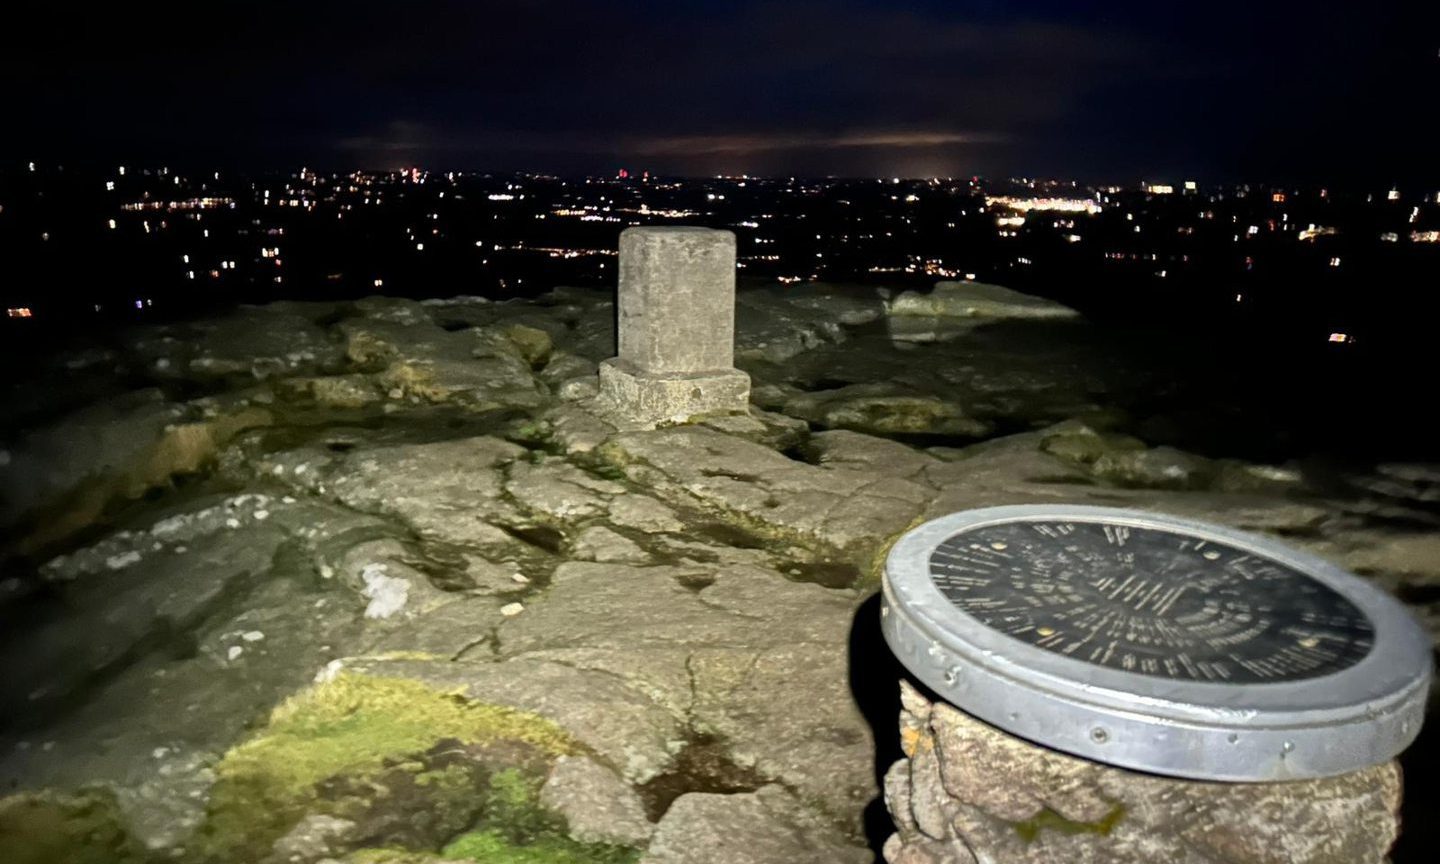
(512, 829)
(515, 829)
(349, 743)
(85, 828)
(492, 847)
(1048, 819)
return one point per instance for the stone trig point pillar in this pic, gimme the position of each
(676, 328)
(1125, 687)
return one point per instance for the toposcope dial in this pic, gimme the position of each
(1156, 643)
(1150, 601)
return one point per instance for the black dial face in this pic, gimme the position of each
(1150, 601)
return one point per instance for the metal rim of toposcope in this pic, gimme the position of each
(1327, 724)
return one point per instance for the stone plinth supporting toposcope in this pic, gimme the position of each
(968, 792)
(676, 328)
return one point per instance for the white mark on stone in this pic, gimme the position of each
(123, 560)
(510, 610)
(387, 593)
(252, 636)
(234, 652)
(329, 673)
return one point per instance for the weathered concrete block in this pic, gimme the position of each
(651, 399)
(677, 328)
(677, 299)
(969, 792)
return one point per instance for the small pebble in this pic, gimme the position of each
(262, 515)
(510, 610)
(520, 577)
(234, 652)
(252, 636)
(232, 523)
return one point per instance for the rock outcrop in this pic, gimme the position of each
(373, 581)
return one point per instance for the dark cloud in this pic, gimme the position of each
(875, 87)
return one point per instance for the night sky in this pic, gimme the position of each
(1219, 91)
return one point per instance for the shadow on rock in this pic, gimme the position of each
(875, 684)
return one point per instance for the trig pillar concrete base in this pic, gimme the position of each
(655, 398)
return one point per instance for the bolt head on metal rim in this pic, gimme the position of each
(1155, 643)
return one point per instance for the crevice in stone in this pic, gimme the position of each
(827, 574)
(702, 765)
(542, 537)
(490, 639)
(695, 582)
(728, 534)
(733, 475)
(802, 451)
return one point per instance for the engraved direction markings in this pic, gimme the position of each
(1150, 601)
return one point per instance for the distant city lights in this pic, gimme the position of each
(1061, 205)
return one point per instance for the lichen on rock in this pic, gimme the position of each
(345, 732)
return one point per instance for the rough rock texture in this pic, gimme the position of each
(976, 300)
(646, 399)
(415, 506)
(968, 792)
(597, 805)
(838, 507)
(763, 826)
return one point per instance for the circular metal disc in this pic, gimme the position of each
(1154, 643)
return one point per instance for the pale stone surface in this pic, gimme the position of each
(677, 299)
(839, 507)
(885, 409)
(976, 300)
(598, 806)
(746, 828)
(738, 651)
(313, 838)
(967, 792)
(598, 543)
(651, 399)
